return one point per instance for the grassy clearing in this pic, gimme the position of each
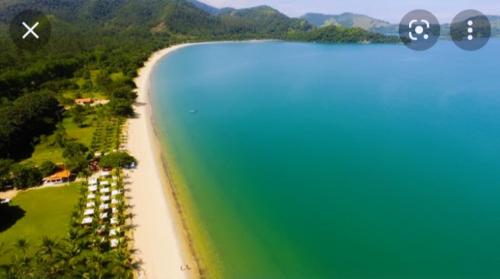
(118, 77)
(47, 212)
(45, 150)
(107, 135)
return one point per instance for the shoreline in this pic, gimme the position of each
(159, 236)
(145, 145)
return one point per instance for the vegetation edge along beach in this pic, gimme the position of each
(142, 128)
(195, 245)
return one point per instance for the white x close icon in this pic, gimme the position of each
(31, 30)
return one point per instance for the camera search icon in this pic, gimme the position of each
(419, 30)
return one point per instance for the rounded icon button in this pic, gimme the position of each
(419, 30)
(30, 30)
(470, 30)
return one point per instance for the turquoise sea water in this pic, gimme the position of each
(339, 161)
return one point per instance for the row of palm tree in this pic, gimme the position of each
(63, 259)
(79, 255)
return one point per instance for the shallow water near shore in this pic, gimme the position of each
(337, 161)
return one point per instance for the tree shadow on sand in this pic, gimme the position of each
(10, 215)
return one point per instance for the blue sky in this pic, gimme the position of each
(391, 10)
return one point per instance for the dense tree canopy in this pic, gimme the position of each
(117, 160)
(25, 118)
(47, 168)
(92, 40)
(75, 155)
(24, 176)
(338, 34)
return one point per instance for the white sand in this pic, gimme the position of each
(157, 236)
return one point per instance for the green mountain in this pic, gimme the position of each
(266, 19)
(205, 7)
(80, 26)
(371, 24)
(348, 20)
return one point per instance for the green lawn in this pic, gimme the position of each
(47, 212)
(45, 151)
(118, 77)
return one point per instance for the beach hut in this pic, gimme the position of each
(92, 188)
(90, 204)
(105, 173)
(93, 181)
(104, 215)
(114, 221)
(105, 183)
(87, 220)
(114, 201)
(104, 198)
(90, 196)
(59, 177)
(88, 212)
(114, 242)
(104, 206)
(115, 193)
(104, 190)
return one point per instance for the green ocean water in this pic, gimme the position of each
(338, 161)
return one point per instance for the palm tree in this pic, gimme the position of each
(3, 247)
(22, 244)
(95, 264)
(48, 248)
(120, 266)
(20, 267)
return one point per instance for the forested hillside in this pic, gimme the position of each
(116, 36)
(340, 34)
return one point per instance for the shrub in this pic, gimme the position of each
(75, 156)
(47, 168)
(116, 160)
(25, 176)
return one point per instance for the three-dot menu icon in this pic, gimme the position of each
(470, 30)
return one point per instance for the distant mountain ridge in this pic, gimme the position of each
(205, 7)
(348, 20)
(351, 20)
(186, 19)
